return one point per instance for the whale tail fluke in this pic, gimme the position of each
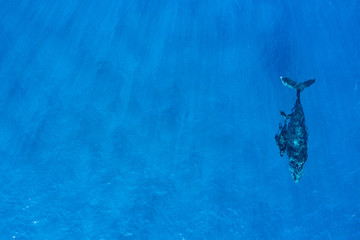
(297, 86)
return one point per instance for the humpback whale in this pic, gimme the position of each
(292, 136)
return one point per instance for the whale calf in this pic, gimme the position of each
(292, 136)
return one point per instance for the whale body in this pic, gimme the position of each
(292, 136)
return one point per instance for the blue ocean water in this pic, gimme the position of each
(156, 119)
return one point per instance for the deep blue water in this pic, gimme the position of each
(151, 119)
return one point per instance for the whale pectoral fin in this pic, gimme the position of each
(280, 139)
(281, 142)
(287, 116)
